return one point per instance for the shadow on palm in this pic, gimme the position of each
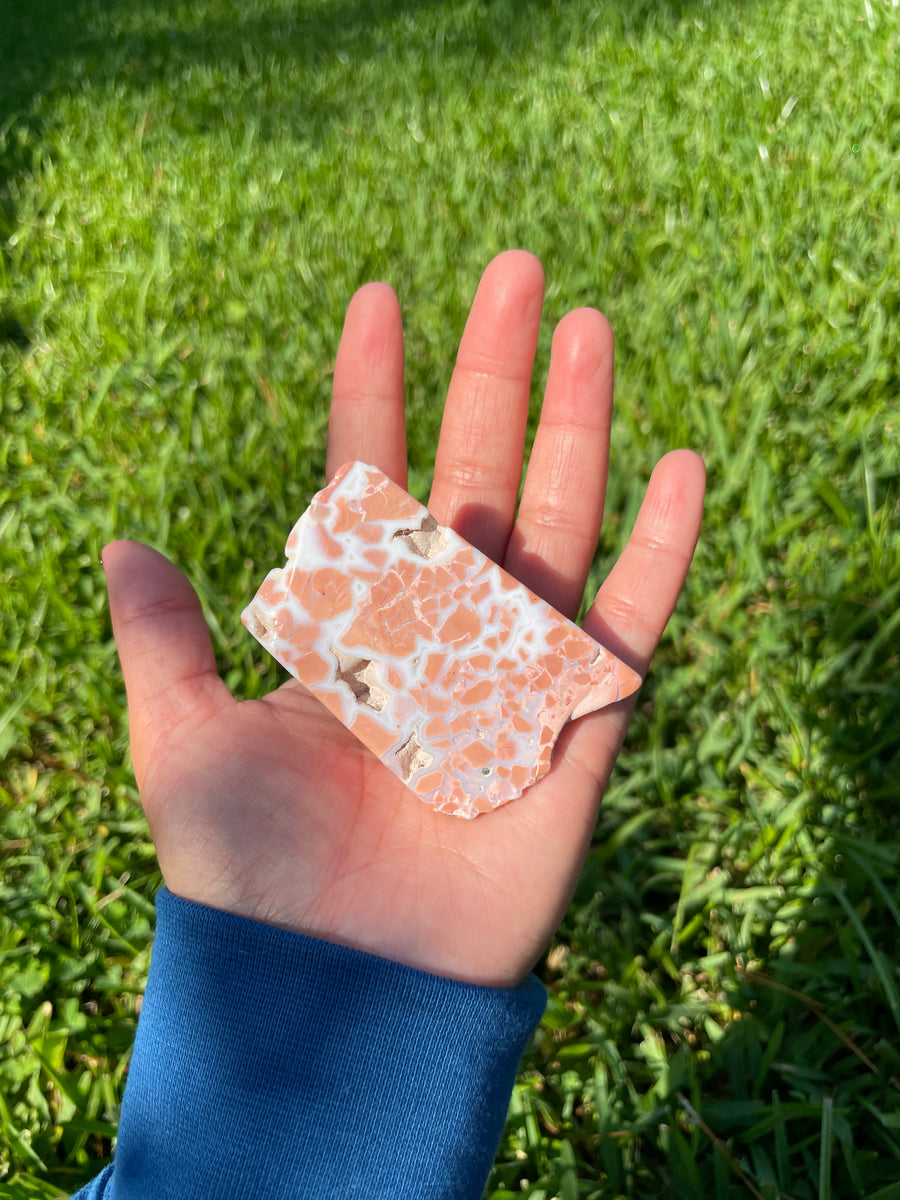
(272, 809)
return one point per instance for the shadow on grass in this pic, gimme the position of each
(52, 46)
(820, 1023)
(787, 930)
(811, 1037)
(53, 49)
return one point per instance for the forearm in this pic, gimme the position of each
(270, 1065)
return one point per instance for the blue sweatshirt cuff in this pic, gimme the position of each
(271, 1065)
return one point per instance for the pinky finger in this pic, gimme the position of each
(638, 597)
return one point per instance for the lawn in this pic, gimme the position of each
(189, 195)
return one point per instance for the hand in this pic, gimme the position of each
(269, 808)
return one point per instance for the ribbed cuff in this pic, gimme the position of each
(268, 1064)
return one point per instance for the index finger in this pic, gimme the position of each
(368, 419)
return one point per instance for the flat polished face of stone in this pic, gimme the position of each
(455, 675)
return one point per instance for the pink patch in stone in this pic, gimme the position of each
(452, 672)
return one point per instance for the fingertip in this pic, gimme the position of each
(513, 271)
(163, 642)
(375, 294)
(685, 459)
(124, 556)
(141, 580)
(584, 339)
(113, 550)
(373, 324)
(501, 332)
(586, 321)
(682, 473)
(110, 548)
(111, 554)
(672, 509)
(520, 262)
(698, 464)
(516, 257)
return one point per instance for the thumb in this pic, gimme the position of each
(164, 648)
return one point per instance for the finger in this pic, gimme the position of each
(479, 457)
(639, 594)
(164, 647)
(368, 420)
(635, 602)
(555, 535)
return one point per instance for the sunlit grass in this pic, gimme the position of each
(189, 195)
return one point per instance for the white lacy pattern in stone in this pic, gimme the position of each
(455, 675)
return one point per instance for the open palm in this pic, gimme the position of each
(270, 809)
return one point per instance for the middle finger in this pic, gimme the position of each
(479, 457)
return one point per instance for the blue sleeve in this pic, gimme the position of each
(272, 1065)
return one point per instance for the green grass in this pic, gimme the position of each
(189, 194)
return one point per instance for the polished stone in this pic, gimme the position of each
(455, 675)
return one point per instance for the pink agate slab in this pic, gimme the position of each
(452, 672)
